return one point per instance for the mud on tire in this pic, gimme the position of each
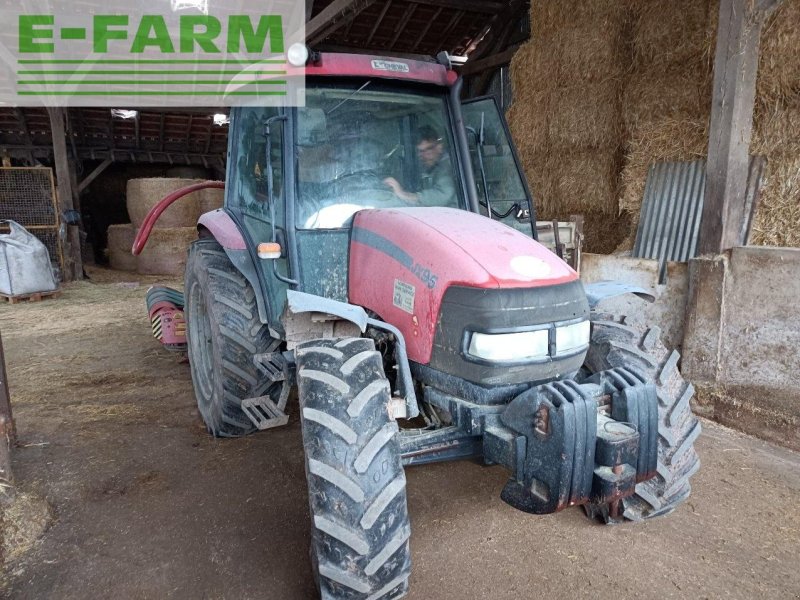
(615, 344)
(356, 483)
(223, 333)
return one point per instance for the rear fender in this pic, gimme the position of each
(224, 229)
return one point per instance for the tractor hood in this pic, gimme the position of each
(403, 260)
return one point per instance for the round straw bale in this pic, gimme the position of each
(120, 241)
(778, 211)
(210, 199)
(671, 34)
(144, 194)
(585, 181)
(649, 98)
(779, 63)
(586, 116)
(166, 251)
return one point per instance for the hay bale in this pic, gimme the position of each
(539, 178)
(144, 194)
(528, 120)
(779, 63)
(166, 251)
(587, 53)
(583, 182)
(120, 241)
(532, 70)
(549, 15)
(648, 98)
(778, 213)
(586, 116)
(210, 199)
(776, 131)
(670, 139)
(672, 34)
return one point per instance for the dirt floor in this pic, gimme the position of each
(145, 504)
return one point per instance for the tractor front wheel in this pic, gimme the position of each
(356, 483)
(223, 332)
(615, 344)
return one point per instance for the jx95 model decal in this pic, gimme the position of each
(381, 244)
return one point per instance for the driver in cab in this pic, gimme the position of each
(438, 188)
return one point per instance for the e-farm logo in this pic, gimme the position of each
(188, 54)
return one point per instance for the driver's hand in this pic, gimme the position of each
(394, 184)
(399, 191)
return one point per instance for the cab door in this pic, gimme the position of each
(250, 202)
(503, 191)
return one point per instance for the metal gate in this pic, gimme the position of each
(27, 196)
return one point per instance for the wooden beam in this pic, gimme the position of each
(136, 132)
(73, 267)
(93, 175)
(490, 62)
(426, 29)
(334, 16)
(378, 21)
(735, 70)
(476, 6)
(412, 7)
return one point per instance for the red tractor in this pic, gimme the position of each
(378, 249)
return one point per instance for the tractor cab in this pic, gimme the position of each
(385, 139)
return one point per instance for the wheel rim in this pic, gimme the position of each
(200, 345)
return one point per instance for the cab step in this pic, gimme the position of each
(264, 413)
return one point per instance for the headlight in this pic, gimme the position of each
(506, 347)
(572, 337)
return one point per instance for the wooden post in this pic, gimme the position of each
(735, 70)
(8, 431)
(73, 267)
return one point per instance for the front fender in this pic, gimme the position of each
(225, 230)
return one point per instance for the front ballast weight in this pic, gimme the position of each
(567, 444)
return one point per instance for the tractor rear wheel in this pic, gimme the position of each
(615, 344)
(223, 332)
(356, 483)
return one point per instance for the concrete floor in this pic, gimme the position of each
(146, 505)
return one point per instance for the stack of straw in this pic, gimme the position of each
(605, 89)
(566, 116)
(776, 128)
(667, 98)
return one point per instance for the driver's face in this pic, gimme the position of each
(429, 152)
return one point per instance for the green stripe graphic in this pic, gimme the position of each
(154, 82)
(141, 93)
(148, 62)
(151, 72)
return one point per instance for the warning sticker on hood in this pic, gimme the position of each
(403, 297)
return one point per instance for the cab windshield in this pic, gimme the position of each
(368, 145)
